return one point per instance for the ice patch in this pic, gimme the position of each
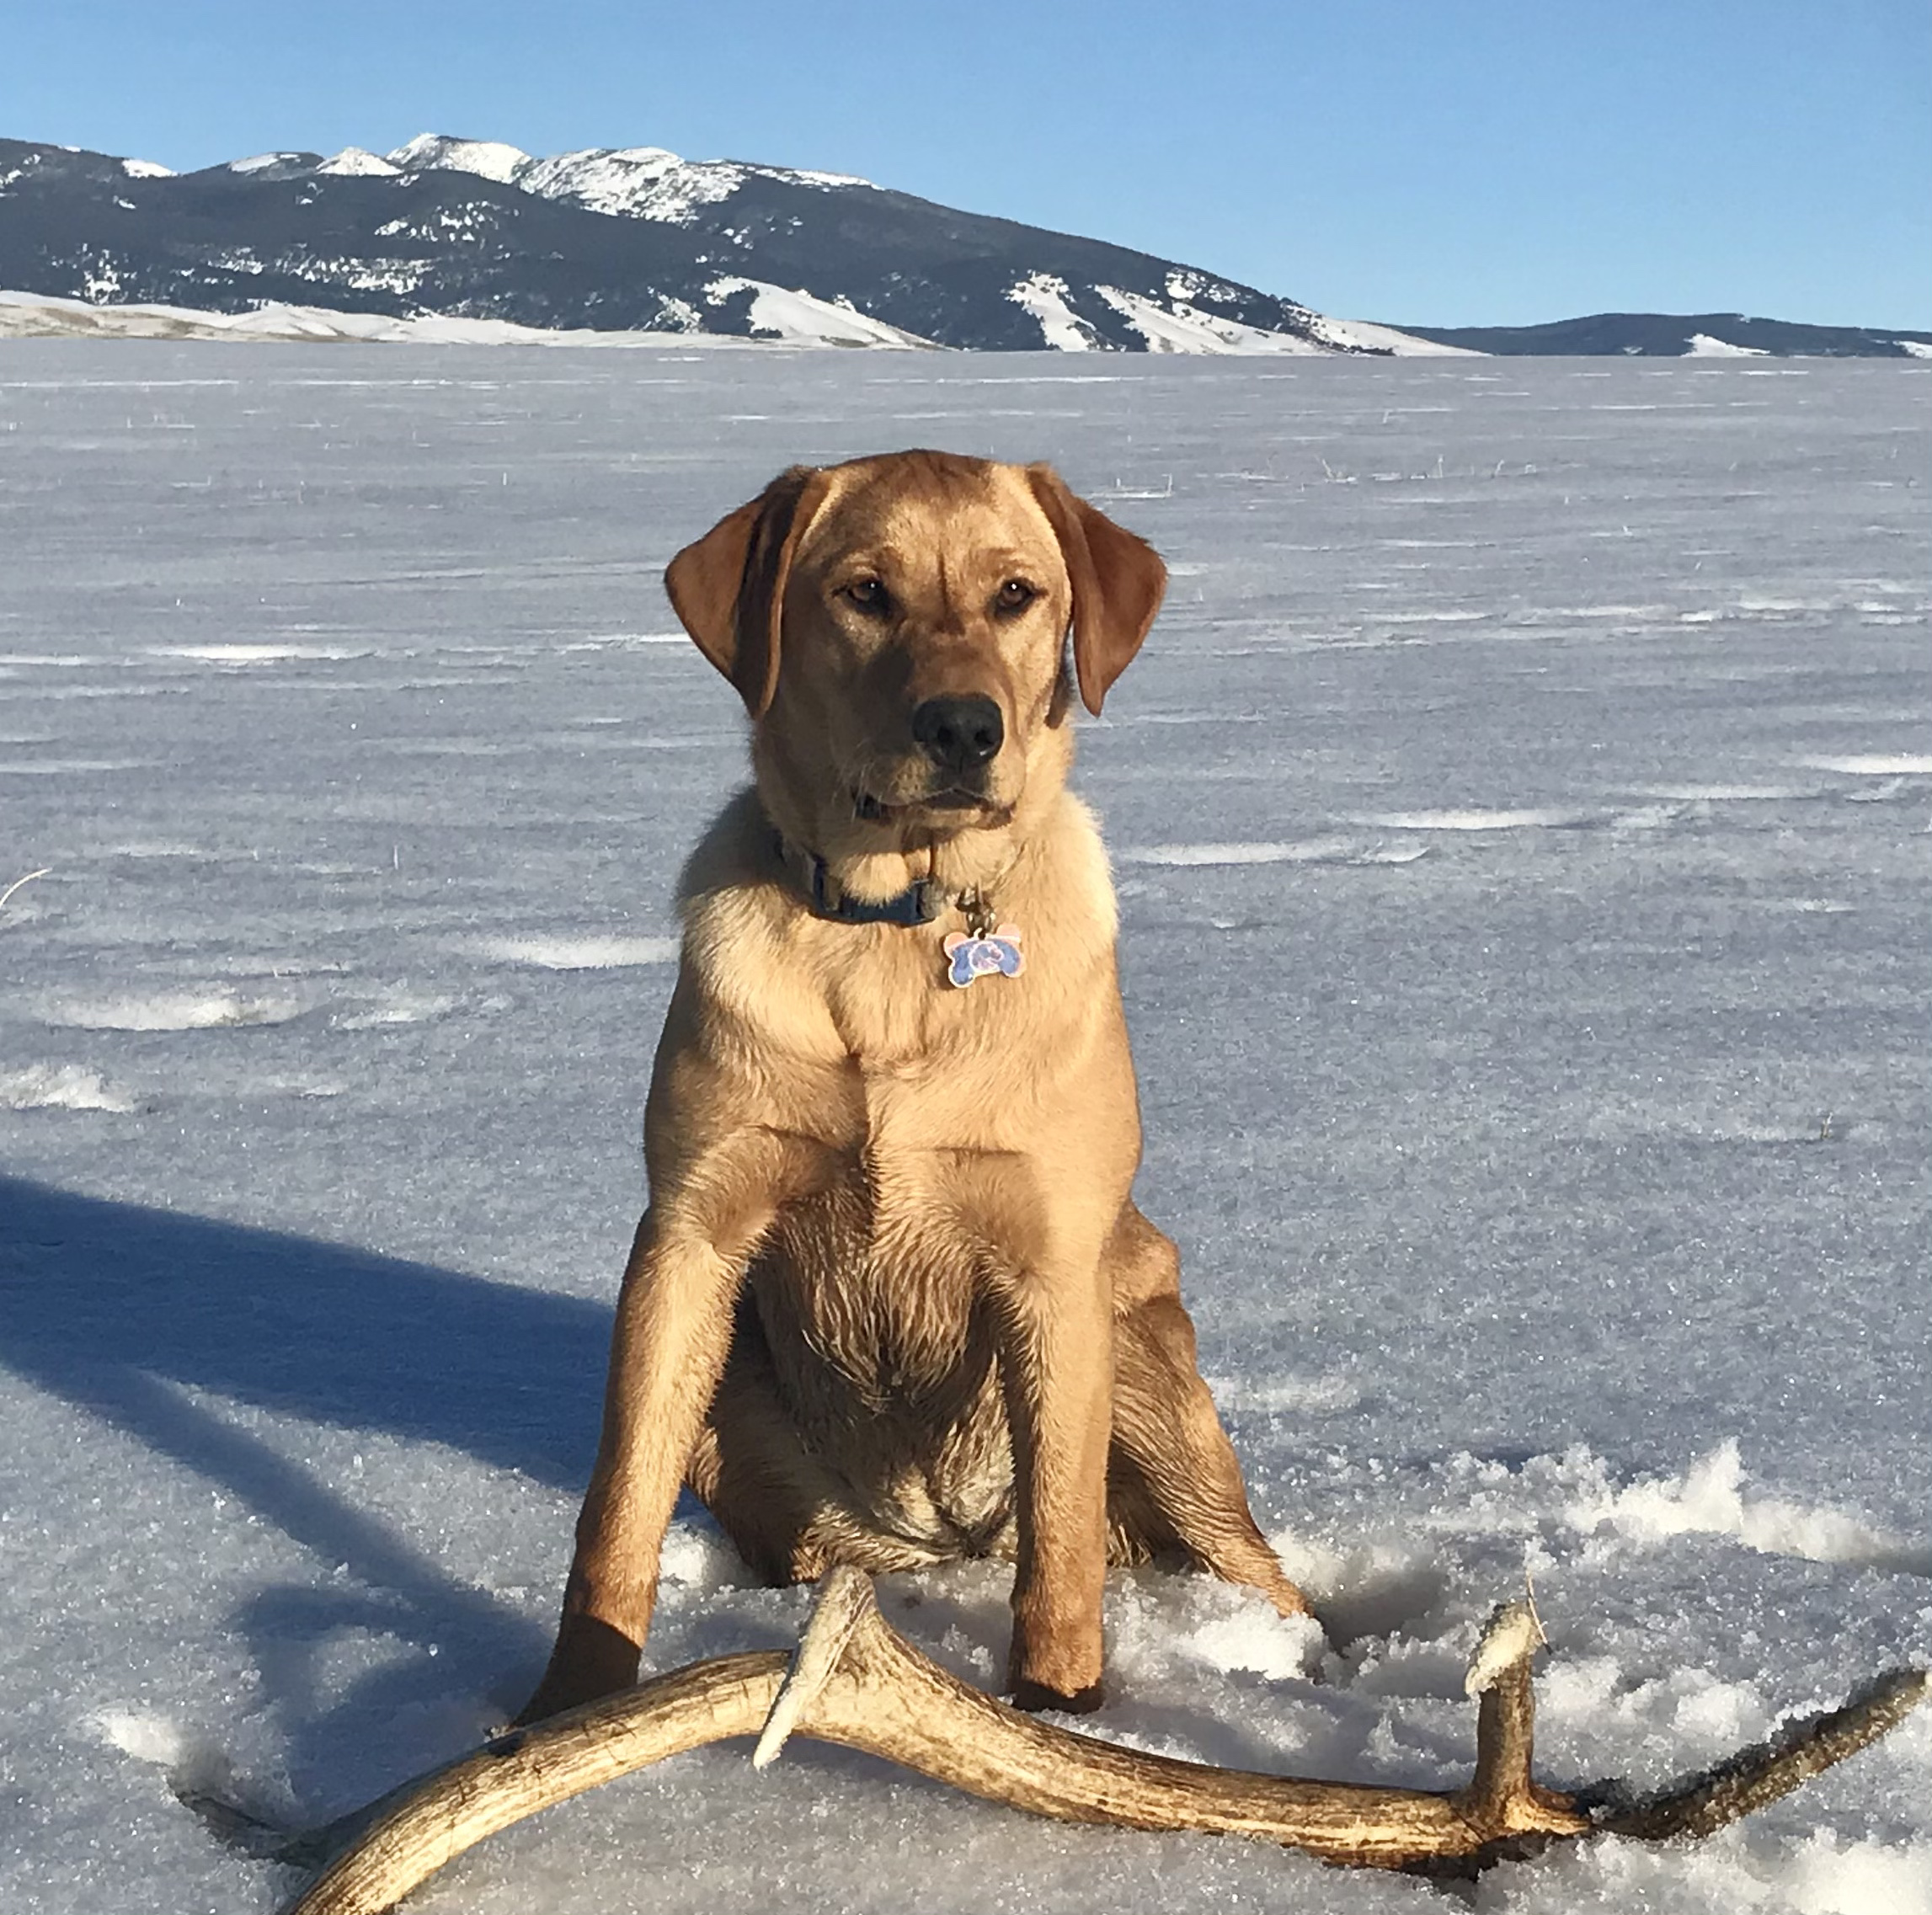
(171, 1010)
(582, 954)
(597, 641)
(398, 1006)
(143, 849)
(255, 654)
(62, 1087)
(1478, 820)
(1310, 850)
(1708, 1499)
(51, 767)
(1875, 764)
(1730, 794)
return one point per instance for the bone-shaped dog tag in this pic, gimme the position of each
(997, 954)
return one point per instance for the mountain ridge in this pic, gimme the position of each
(1684, 335)
(444, 231)
(624, 239)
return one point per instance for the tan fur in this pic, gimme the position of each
(892, 1302)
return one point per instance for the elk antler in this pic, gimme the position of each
(855, 1681)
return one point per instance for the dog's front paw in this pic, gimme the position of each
(1037, 1696)
(590, 1660)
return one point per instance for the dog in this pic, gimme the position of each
(892, 1302)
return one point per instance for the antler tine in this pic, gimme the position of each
(1756, 1776)
(846, 1599)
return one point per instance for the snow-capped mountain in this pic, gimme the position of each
(621, 240)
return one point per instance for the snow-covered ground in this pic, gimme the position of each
(778, 317)
(1521, 818)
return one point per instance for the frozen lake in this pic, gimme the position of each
(1521, 815)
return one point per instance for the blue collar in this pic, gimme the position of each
(919, 903)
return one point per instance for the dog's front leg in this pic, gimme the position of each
(668, 1348)
(1056, 1358)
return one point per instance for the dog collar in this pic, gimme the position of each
(919, 903)
(986, 947)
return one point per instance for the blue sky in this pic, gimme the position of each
(1461, 161)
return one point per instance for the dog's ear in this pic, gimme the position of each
(1117, 580)
(729, 588)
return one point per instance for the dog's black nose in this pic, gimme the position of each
(959, 734)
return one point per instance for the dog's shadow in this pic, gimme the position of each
(130, 1314)
(135, 1314)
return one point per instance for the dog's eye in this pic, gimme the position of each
(1015, 595)
(869, 594)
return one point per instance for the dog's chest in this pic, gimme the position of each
(869, 1289)
(882, 1349)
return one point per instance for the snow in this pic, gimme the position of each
(1879, 765)
(490, 159)
(1044, 295)
(648, 183)
(1523, 876)
(59, 1087)
(1704, 345)
(358, 162)
(581, 953)
(1188, 329)
(32, 315)
(1365, 334)
(778, 315)
(146, 169)
(638, 182)
(817, 176)
(794, 316)
(1191, 328)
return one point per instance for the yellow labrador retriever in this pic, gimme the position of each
(892, 1302)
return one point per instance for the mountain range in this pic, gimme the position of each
(446, 237)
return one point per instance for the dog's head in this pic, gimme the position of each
(897, 628)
